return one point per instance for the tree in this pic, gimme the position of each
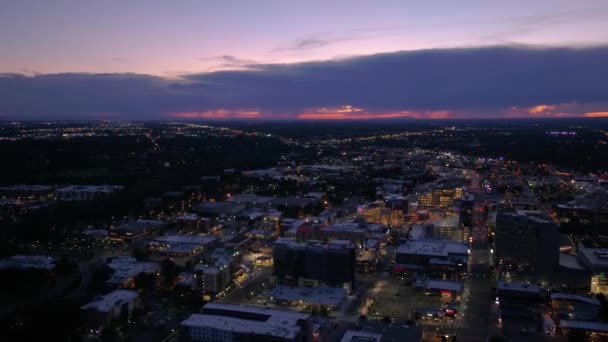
(168, 273)
(140, 253)
(107, 334)
(145, 281)
(99, 277)
(65, 266)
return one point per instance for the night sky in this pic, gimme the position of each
(302, 60)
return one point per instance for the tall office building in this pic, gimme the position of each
(439, 198)
(467, 204)
(314, 264)
(527, 243)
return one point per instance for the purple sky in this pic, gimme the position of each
(182, 45)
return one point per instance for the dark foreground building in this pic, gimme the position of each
(314, 264)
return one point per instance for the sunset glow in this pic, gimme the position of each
(596, 115)
(218, 114)
(540, 109)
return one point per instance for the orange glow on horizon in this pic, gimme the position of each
(540, 109)
(219, 114)
(596, 115)
(346, 116)
(351, 113)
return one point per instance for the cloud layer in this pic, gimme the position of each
(503, 81)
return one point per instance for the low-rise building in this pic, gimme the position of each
(574, 307)
(181, 245)
(227, 323)
(310, 298)
(443, 257)
(134, 230)
(86, 192)
(127, 268)
(116, 305)
(192, 223)
(28, 262)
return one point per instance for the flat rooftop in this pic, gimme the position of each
(360, 336)
(352, 227)
(220, 207)
(289, 201)
(250, 199)
(263, 321)
(584, 325)
(109, 301)
(128, 267)
(91, 188)
(433, 248)
(518, 287)
(186, 239)
(575, 298)
(445, 285)
(335, 244)
(596, 256)
(23, 262)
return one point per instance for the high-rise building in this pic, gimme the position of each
(439, 198)
(525, 242)
(467, 204)
(314, 264)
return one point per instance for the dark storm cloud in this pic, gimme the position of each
(487, 79)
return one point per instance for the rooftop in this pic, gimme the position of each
(250, 199)
(335, 244)
(433, 248)
(111, 300)
(128, 267)
(596, 256)
(446, 285)
(584, 325)
(263, 321)
(289, 201)
(186, 239)
(220, 207)
(574, 297)
(41, 262)
(91, 188)
(360, 336)
(520, 287)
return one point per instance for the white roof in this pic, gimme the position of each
(521, 287)
(596, 256)
(574, 297)
(433, 248)
(570, 262)
(352, 335)
(418, 232)
(346, 227)
(27, 261)
(250, 198)
(111, 300)
(279, 323)
(186, 239)
(584, 325)
(443, 285)
(128, 267)
(91, 188)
